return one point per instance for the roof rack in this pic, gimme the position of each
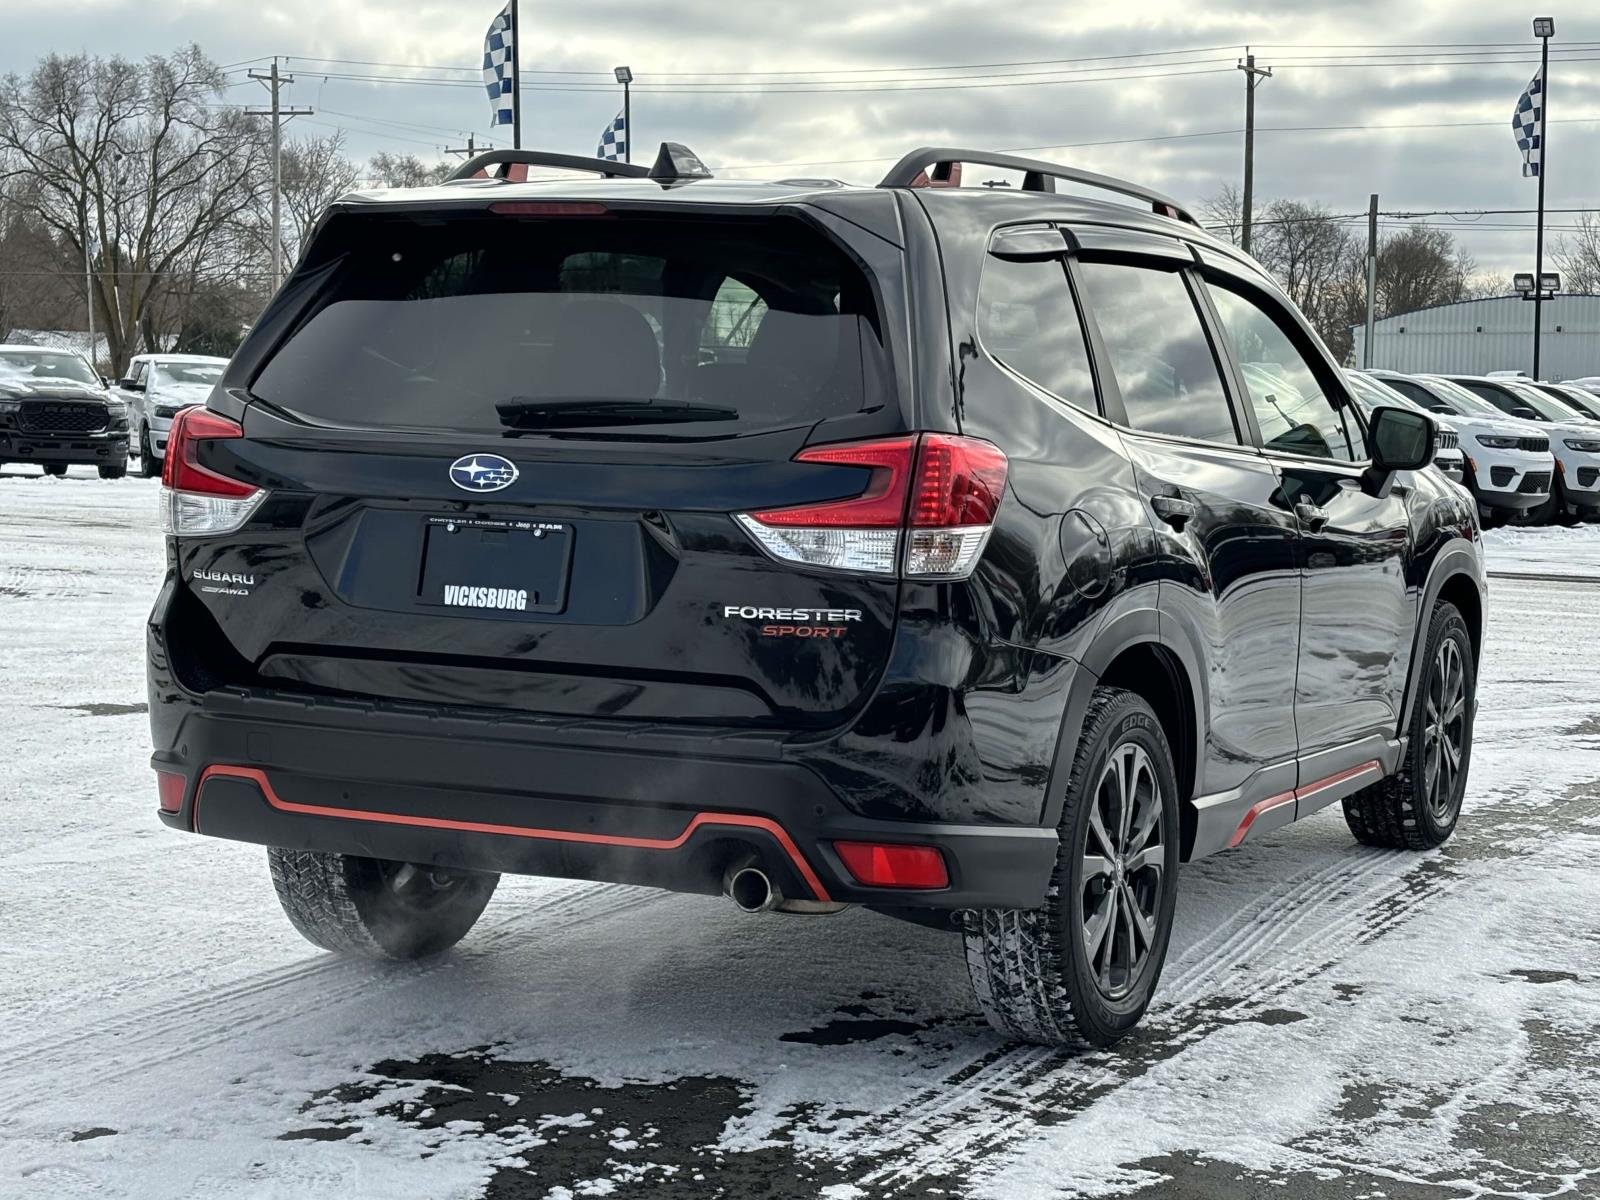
(547, 158)
(1037, 176)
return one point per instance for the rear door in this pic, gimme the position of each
(1226, 545)
(1358, 604)
(506, 449)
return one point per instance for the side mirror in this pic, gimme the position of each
(130, 385)
(1526, 413)
(1399, 440)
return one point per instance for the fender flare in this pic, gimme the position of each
(1458, 557)
(1124, 631)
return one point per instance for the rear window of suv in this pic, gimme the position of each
(484, 322)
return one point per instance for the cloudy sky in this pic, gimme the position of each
(1147, 89)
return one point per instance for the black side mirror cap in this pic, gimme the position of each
(1398, 440)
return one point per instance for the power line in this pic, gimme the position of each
(806, 71)
(758, 90)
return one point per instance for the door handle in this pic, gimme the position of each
(1174, 510)
(1312, 516)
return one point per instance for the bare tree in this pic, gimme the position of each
(1578, 257)
(1305, 248)
(40, 286)
(136, 166)
(405, 171)
(1222, 213)
(315, 174)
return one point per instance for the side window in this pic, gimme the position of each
(140, 371)
(1293, 410)
(1414, 391)
(1159, 351)
(1027, 320)
(731, 323)
(1498, 397)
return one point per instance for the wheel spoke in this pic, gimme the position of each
(1098, 825)
(1143, 924)
(1125, 800)
(1095, 929)
(1151, 856)
(1109, 937)
(1094, 867)
(1125, 916)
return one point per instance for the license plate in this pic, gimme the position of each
(489, 566)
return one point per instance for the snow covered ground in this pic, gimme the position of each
(1334, 1021)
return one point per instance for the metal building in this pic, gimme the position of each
(1474, 337)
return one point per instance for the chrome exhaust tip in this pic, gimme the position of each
(750, 889)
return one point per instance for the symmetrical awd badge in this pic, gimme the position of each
(483, 472)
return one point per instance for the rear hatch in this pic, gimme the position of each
(504, 449)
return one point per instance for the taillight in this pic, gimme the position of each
(940, 491)
(196, 500)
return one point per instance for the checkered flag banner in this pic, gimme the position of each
(614, 141)
(1528, 124)
(497, 71)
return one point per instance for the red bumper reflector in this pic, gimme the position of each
(889, 864)
(171, 787)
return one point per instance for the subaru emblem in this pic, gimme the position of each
(483, 472)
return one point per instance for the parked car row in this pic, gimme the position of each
(56, 411)
(1529, 451)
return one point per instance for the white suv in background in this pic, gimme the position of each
(1509, 466)
(1370, 393)
(1583, 403)
(155, 388)
(1574, 440)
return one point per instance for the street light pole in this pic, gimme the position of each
(1544, 29)
(625, 78)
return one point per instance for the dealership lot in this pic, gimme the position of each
(1333, 1021)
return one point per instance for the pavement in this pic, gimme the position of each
(1333, 1022)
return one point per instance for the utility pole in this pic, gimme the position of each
(274, 81)
(88, 284)
(1252, 76)
(1543, 29)
(470, 150)
(1372, 279)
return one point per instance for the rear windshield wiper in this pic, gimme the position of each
(520, 414)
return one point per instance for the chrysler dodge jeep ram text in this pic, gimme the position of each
(973, 555)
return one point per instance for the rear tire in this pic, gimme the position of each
(114, 472)
(1083, 967)
(374, 908)
(1418, 807)
(55, 469)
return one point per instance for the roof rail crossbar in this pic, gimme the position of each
(547, 158)
(1037, 176)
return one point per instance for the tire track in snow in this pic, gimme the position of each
(1057, 1083)
(224, 1013)
(1224, 949)
(1362, 903)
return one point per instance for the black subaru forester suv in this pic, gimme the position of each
(973, 555)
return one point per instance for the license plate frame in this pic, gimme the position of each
(505, 567)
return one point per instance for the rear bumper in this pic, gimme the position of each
(100, 448)
(571, 800)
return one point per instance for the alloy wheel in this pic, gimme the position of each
(1444, 731)
(1123, 874)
